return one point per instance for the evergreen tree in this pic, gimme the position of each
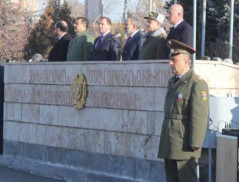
(42, 36)
(218, 22)
(64, 13)
(188, 9)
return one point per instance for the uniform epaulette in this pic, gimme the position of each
(198, 77)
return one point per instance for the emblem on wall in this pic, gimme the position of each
(79, 91)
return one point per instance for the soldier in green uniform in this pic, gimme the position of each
(81, 47)
(186, 115)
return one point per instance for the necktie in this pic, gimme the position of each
(99, 42)
(172, 29)
(176, 79)
(128, 40)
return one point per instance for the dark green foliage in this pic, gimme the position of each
(218, 23)
(64, 13)
(42, 36)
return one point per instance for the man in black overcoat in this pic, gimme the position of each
(180, 31)
(59, 51)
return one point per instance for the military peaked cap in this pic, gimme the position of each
(176, 47)
(156, 16)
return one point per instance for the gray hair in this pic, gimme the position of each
(36, 58)
(135, 21)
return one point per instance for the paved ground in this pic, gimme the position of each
(12, 175)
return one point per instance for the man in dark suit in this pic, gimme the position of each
(180, 31)
(106, 46)
(59, 51)
(134, 42)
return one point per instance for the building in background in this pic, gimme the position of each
(93, 9)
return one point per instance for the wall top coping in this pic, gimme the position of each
(121, 62)
(217, 63)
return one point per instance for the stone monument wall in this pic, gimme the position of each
(115, 137)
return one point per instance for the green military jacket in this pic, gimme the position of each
(186, 111)
(152, 47)
(81, 47)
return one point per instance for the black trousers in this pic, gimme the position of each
(181, 170)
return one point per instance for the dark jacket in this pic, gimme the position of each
(108, 50)
(59, 51)
(186, 110)
(132, 47)
(183, 33)
(152, 48)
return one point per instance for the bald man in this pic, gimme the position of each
(180, 31)
(59, 51)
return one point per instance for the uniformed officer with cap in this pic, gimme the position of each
(186, 111)
(155, 16)
(154, 39)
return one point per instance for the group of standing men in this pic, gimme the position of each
(83, 47)
(149, 46)
(186, 106)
